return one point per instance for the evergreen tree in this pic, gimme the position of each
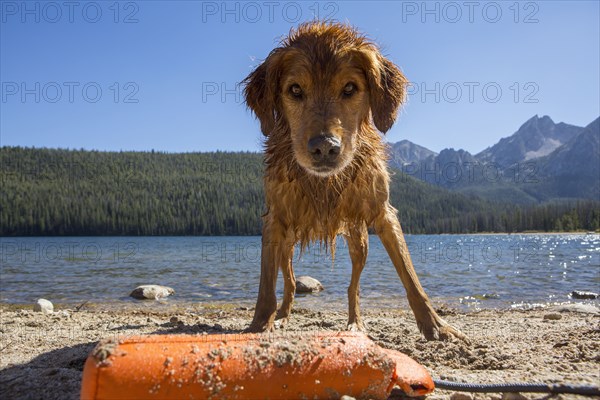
(77, 192)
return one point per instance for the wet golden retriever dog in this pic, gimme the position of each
(322, 98)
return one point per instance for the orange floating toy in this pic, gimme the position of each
(324, 365)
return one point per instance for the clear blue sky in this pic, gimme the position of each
(175, 58)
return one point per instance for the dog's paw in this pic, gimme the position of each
(258, 327)
(440, 330)
(280, 323)
(356, 327)
(283, 315)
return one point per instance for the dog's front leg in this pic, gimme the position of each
(276, 247)
(430, 324)
(289, 285)
(358, 246)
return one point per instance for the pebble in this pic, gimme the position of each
(151, 292)
(346, 397)
(306, 284)
(553, 316)
(576, 294)
(577, 308)
(44, 306)
(490, 296)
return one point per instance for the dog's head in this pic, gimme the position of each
(322, 86)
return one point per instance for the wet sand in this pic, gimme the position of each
(42, 356)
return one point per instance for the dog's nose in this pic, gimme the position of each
(324, 148)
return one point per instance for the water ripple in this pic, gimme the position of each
(469, 271)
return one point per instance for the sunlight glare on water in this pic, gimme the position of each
(466, 271)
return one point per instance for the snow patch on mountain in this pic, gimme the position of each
(547, 147)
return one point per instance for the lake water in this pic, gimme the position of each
(465, 271)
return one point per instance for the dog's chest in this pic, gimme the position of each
(317, 208)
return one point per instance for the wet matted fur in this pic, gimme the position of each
(321, 98)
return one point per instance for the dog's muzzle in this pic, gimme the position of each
(324, 151)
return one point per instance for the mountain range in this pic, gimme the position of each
(49, 192)
(541, 161)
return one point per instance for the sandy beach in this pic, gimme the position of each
(42, 356)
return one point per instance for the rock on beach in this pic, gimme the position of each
(44, 306)
(577, 294)
(577, 308)
(306, 284)
(553, 316)
(151, 292)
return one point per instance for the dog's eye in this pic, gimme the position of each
(349, 89)
(296, 91)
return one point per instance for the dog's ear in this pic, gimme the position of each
(260, 91)
(387, 88)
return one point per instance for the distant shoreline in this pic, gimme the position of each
(372, 234)
(444, 305)
(523, 233)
